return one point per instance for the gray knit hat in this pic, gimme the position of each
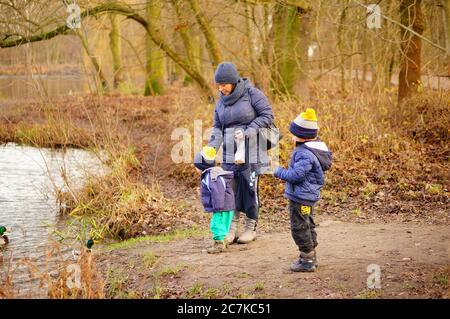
(226, 73)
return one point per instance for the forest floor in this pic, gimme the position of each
(390, 209)
(413, 262)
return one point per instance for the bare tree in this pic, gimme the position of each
(116, 50)
(446, 15)
(409, 76)
(289, 47)
(211, 42)
(190, 42)
(154, 84)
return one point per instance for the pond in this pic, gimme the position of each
(28, 206)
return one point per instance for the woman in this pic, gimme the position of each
(240, 111)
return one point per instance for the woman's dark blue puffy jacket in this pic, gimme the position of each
(246, 108)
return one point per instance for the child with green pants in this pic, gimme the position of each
(217, 196)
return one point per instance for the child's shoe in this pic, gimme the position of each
(306, 263)
(303, 256)
(218, 247)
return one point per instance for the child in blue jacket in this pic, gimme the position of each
(217, 196)
(304, 178)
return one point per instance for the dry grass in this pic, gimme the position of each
(7, 290)
(120, 205)
(90, 279)
(122, 208)
(60, 277)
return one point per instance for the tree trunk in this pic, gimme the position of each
(289, 48)
(95, 62)
(409, 77)
(265, 70)
(446, 14)
(317, 37)
(116, 51)
(341, 46)
(183, 29)
(302, 42)
(278, 43)
(390, 51)
(211, 41)
(154, 85)
(250, 54)
(197, 52)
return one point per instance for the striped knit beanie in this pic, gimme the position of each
(305, 125)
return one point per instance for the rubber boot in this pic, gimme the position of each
(231, 237)
(249, 233)
(306, 262)
(218, 247)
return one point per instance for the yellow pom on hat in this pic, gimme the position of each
(209, 153)
(309, 115)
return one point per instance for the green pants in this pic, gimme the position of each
(220, 224)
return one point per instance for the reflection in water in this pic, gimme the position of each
(41, 85)
(28, 207)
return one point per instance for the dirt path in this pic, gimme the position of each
(414, 262)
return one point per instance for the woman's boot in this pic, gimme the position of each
(232, 233)
(249, 233)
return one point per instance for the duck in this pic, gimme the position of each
(76, 253)
(89, 244)
(3, 230)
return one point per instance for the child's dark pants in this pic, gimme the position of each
(302, 226)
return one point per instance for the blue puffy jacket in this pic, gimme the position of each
(216, 190)
(246, 108)
(305, 174)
